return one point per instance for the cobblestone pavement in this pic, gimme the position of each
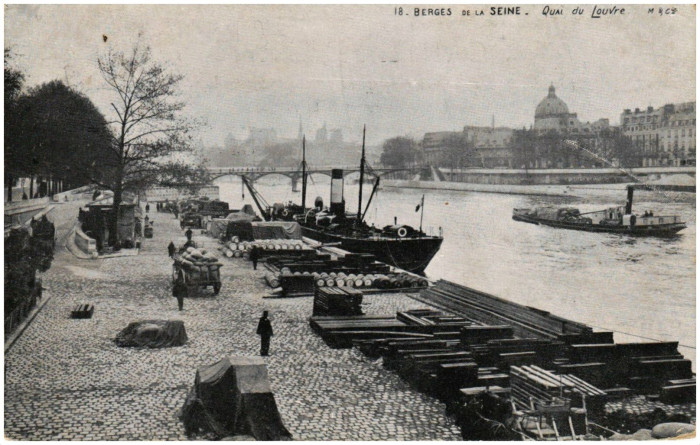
(66, 379)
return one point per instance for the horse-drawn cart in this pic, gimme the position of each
(193, 278)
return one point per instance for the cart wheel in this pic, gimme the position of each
(217, 288)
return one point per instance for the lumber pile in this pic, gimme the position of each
(81, 311)
(491, 310)
(532, 385)
(341, 301)
(342, 332)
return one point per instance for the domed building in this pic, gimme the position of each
(553, 114)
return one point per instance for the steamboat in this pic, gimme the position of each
(401, 246)
(612, 220)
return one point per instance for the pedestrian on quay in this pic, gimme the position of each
(148, 207)
(180, 290)
(265, 333)
(188, 234)
(254, 256)
(171, 249)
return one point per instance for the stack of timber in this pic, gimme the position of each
(341, 332)
(341, 301)
(491, 310)
(533, 386)
(645, 368)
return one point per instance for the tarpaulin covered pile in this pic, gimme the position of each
(242, 229)
(153, 334)
(276, 230)
(217, 227)
(233, 397)
(241, 216)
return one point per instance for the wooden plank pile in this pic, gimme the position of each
(678, 391)
(491, 310)
(82, 311)
(342, 301)
(343, 332)
(532, 385)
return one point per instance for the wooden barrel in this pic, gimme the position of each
(297, 274)
(320, 283)
(349, 283)
(342, 275)
(286, 270)
(272, 280)
(333, 275)
(236, 239)
(237, 254)
(367, 282)
(330, 282)
(339, 282)
(297, 247)
(228, 253)
(359, 283)
(352, 276)
(324, 275)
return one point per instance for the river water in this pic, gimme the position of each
(641, 288)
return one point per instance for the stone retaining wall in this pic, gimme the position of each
(84, 242)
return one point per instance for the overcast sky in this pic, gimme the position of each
(269, 66)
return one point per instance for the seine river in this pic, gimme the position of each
(641, 288)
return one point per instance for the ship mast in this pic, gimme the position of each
(303, 173)
(362, 177)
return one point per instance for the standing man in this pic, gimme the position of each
(254, 256)
(188, 234)
(148, 207)
(265, 332)
(171, 249)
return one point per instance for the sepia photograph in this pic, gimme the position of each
(393, 222)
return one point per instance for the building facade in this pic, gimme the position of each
(491, 146)
(663, 136)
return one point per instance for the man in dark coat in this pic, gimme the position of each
(148, 207)
(171, 249)
(265, 332)
(254, 256)
(188, 234)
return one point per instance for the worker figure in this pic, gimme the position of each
(171, 249)
(254, 256)
(180, 290)
(265, 332)
(148, 207)
(188, 234)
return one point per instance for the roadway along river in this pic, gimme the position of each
(640, 286)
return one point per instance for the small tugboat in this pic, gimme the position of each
(612, 220)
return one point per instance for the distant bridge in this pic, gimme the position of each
(255, 173)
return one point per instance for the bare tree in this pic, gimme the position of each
(149, 135)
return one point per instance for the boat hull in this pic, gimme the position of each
(660, 230)
(411, 254)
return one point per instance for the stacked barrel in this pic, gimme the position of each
(237, 248)
(376, 281)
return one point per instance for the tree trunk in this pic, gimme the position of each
(114, 219)
(9, 188)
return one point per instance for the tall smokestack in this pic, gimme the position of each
(630, 196)
(337, 201)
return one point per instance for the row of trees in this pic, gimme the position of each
(527, 149)
(54, 131)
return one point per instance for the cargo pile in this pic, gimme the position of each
(194, 270)
(194, 259)
(342, 301)
(237, 249)
(516, 335)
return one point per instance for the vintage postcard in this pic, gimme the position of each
(350, 222)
